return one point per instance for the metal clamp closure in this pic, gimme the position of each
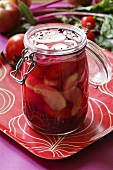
(24, 58)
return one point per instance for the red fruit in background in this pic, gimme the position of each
(91, 35)
(10, 16)
(80, 2)
(14, 46)
(88, 22)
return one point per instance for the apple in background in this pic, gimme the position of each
(10, 16)
(80, 2)
(27, 2)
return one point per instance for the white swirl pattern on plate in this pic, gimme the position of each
(63, 146)
(6, 100)
(107, 88)
(2, 71)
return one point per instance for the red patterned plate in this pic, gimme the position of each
(98, 123)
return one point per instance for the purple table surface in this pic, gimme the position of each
(98, 156)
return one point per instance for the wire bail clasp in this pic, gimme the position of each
(24, 58)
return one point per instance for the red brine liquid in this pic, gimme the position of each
(55, 93)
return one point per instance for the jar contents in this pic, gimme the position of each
(55, 93)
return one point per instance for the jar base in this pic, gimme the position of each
(34, 127)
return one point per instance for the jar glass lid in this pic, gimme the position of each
(55, 39)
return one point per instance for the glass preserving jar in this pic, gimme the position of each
(57, 66)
